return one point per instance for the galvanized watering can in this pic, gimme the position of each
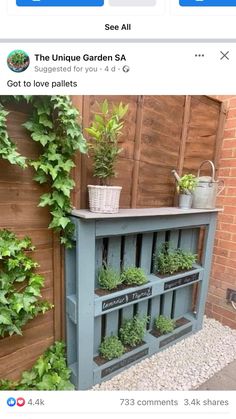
(208, 189)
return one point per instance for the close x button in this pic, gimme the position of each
(207, 3)
(60, 3)
(224, 55)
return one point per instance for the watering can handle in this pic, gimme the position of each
(212, 166)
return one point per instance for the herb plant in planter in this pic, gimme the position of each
(111, 348)
(133, 276)
(164, 324)
(105, 131)
(167, 260)
(132, 331)
(108, 278)
(185, 188)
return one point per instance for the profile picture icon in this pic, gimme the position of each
(18, 61)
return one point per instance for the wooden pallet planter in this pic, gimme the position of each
(126, 239)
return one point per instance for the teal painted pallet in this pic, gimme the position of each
(130, 238)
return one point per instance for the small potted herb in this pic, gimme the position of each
(186, 185)
(111, 347)
(105, 131)
(133, 276)
(164, 324)
(108, 278)
(132, 331)
(167, 260)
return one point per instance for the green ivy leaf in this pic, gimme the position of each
(45, 200)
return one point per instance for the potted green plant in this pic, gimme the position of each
(111, 347)
(164, 324)
(132, 331)
(185, 188)
(105, 131)
(168, 260)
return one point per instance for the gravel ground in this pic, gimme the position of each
(183, 366)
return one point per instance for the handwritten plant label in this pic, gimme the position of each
(126, 298)
(124, 362)
(175, 336)
(174, 283)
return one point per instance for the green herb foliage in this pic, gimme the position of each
(168, 260)
(108, 278)
(134, 276)
(133, 331)
(48, 373)
(111, 348)
(54, 125)
(187, 183)
(20, 286)
(164, 324)
(105, 130)
(8, 150)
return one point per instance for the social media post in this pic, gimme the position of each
(92, 19)
(117, 241)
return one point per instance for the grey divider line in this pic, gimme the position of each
(206, 263)
(85, 268)
(118, 40)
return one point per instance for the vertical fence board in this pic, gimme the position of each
(97, 334)
(174, 238)
(114, 248)
(98, 261)
(155, 310)
(167, 304)
(130, 251)
(112, 323)
(146, 252)
(127, 313)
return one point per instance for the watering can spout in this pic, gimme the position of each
(175, 175)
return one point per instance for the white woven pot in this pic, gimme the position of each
(104, 199)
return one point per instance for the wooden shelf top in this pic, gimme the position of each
(140, 212)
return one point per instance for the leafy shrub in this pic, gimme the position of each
(132, 331)
(20, 286)
(111, 347)
(105, 130)
(134, 276)
(108, 278)
(164, 324)
(168, 260)
(187, 184)
(48, 373)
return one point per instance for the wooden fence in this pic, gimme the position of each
(161, 133)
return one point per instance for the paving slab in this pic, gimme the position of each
(223, 380)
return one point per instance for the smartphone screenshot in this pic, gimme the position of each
(117, 209)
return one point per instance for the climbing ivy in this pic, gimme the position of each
(20, 286)
(54, 124)
(49, 372)
(8, 149)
